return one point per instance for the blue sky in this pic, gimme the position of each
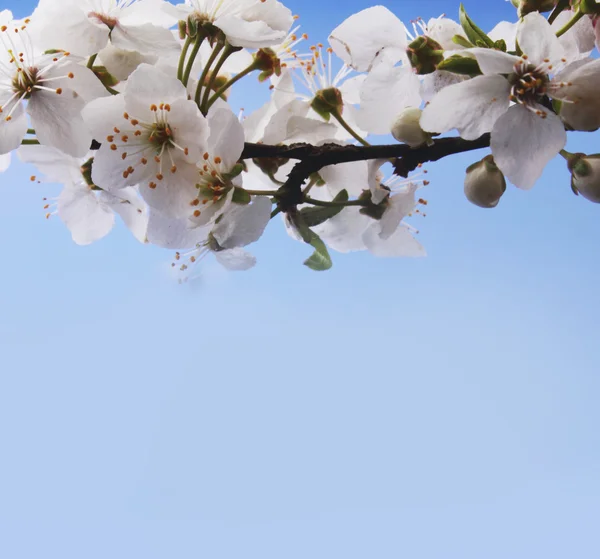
(443, 408)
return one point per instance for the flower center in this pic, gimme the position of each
(529, 84)
(25, 81)
(160, 135)
(110, 22)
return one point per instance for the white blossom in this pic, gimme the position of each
(51, 88)
(84, 27)
(245, 23)
(151, 136)
(88, 213)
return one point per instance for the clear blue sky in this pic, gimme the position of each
(444, 408)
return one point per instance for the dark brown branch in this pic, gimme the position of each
(313, 158)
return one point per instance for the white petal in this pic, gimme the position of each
(236, 259)
(86, 218)
(364, 36)
(344, 232)
(354, 177)
(149, 86)
(472, 107)
(400, 244)
(243, 225)
(442, 30)
(507, 31)
(102, 115)
(65, 25)
(494, 61)
(436, 81)
(578, 42)
(523, 143)
(226, 138)
(4, 162)
(58, 123)
(145, 39)
(386, 92)
(122, 63)
(132, 210)
(537, 39)
(53, 163)
(13, 130)
(167, 232)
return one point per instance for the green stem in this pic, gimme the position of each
(567, 155)
(325, 204)
(309, 187)
(27, 142)
(191, 59)
(560, 7)
(570, 24)
(91, 61)
(214, 73)
(348, 128)
(227, 85)
(275, 212)
(186, 47)
(111, 90)
(216, 50)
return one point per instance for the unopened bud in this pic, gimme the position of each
(527, 6)
(425, 54)
(484, 184)
(580, 116)
(406, 128)
(585, 175)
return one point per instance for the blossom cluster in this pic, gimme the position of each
(126, 103)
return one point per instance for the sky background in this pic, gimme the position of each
(444, 408)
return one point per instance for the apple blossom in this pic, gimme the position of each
(526, 135)
(245, 23)
(84, 27)
(87, 211)
(54, 87)
(152, 136)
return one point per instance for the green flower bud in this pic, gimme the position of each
(425, 54)
(484, 184)
(406, 128)
(267, 61)
(585, 175)
(328, 101)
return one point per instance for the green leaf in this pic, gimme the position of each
(320, 259)
(474, 33)
(316, 215)
(460, 65)
(240, 196)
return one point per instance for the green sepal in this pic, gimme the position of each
(573, 187)
(474, 33)
(241, 196)
(316, 215)
(105, 77)
(500, 44)
(237, 170)
(462, 65)
(460, 40)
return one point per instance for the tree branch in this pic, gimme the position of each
(313, 158)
